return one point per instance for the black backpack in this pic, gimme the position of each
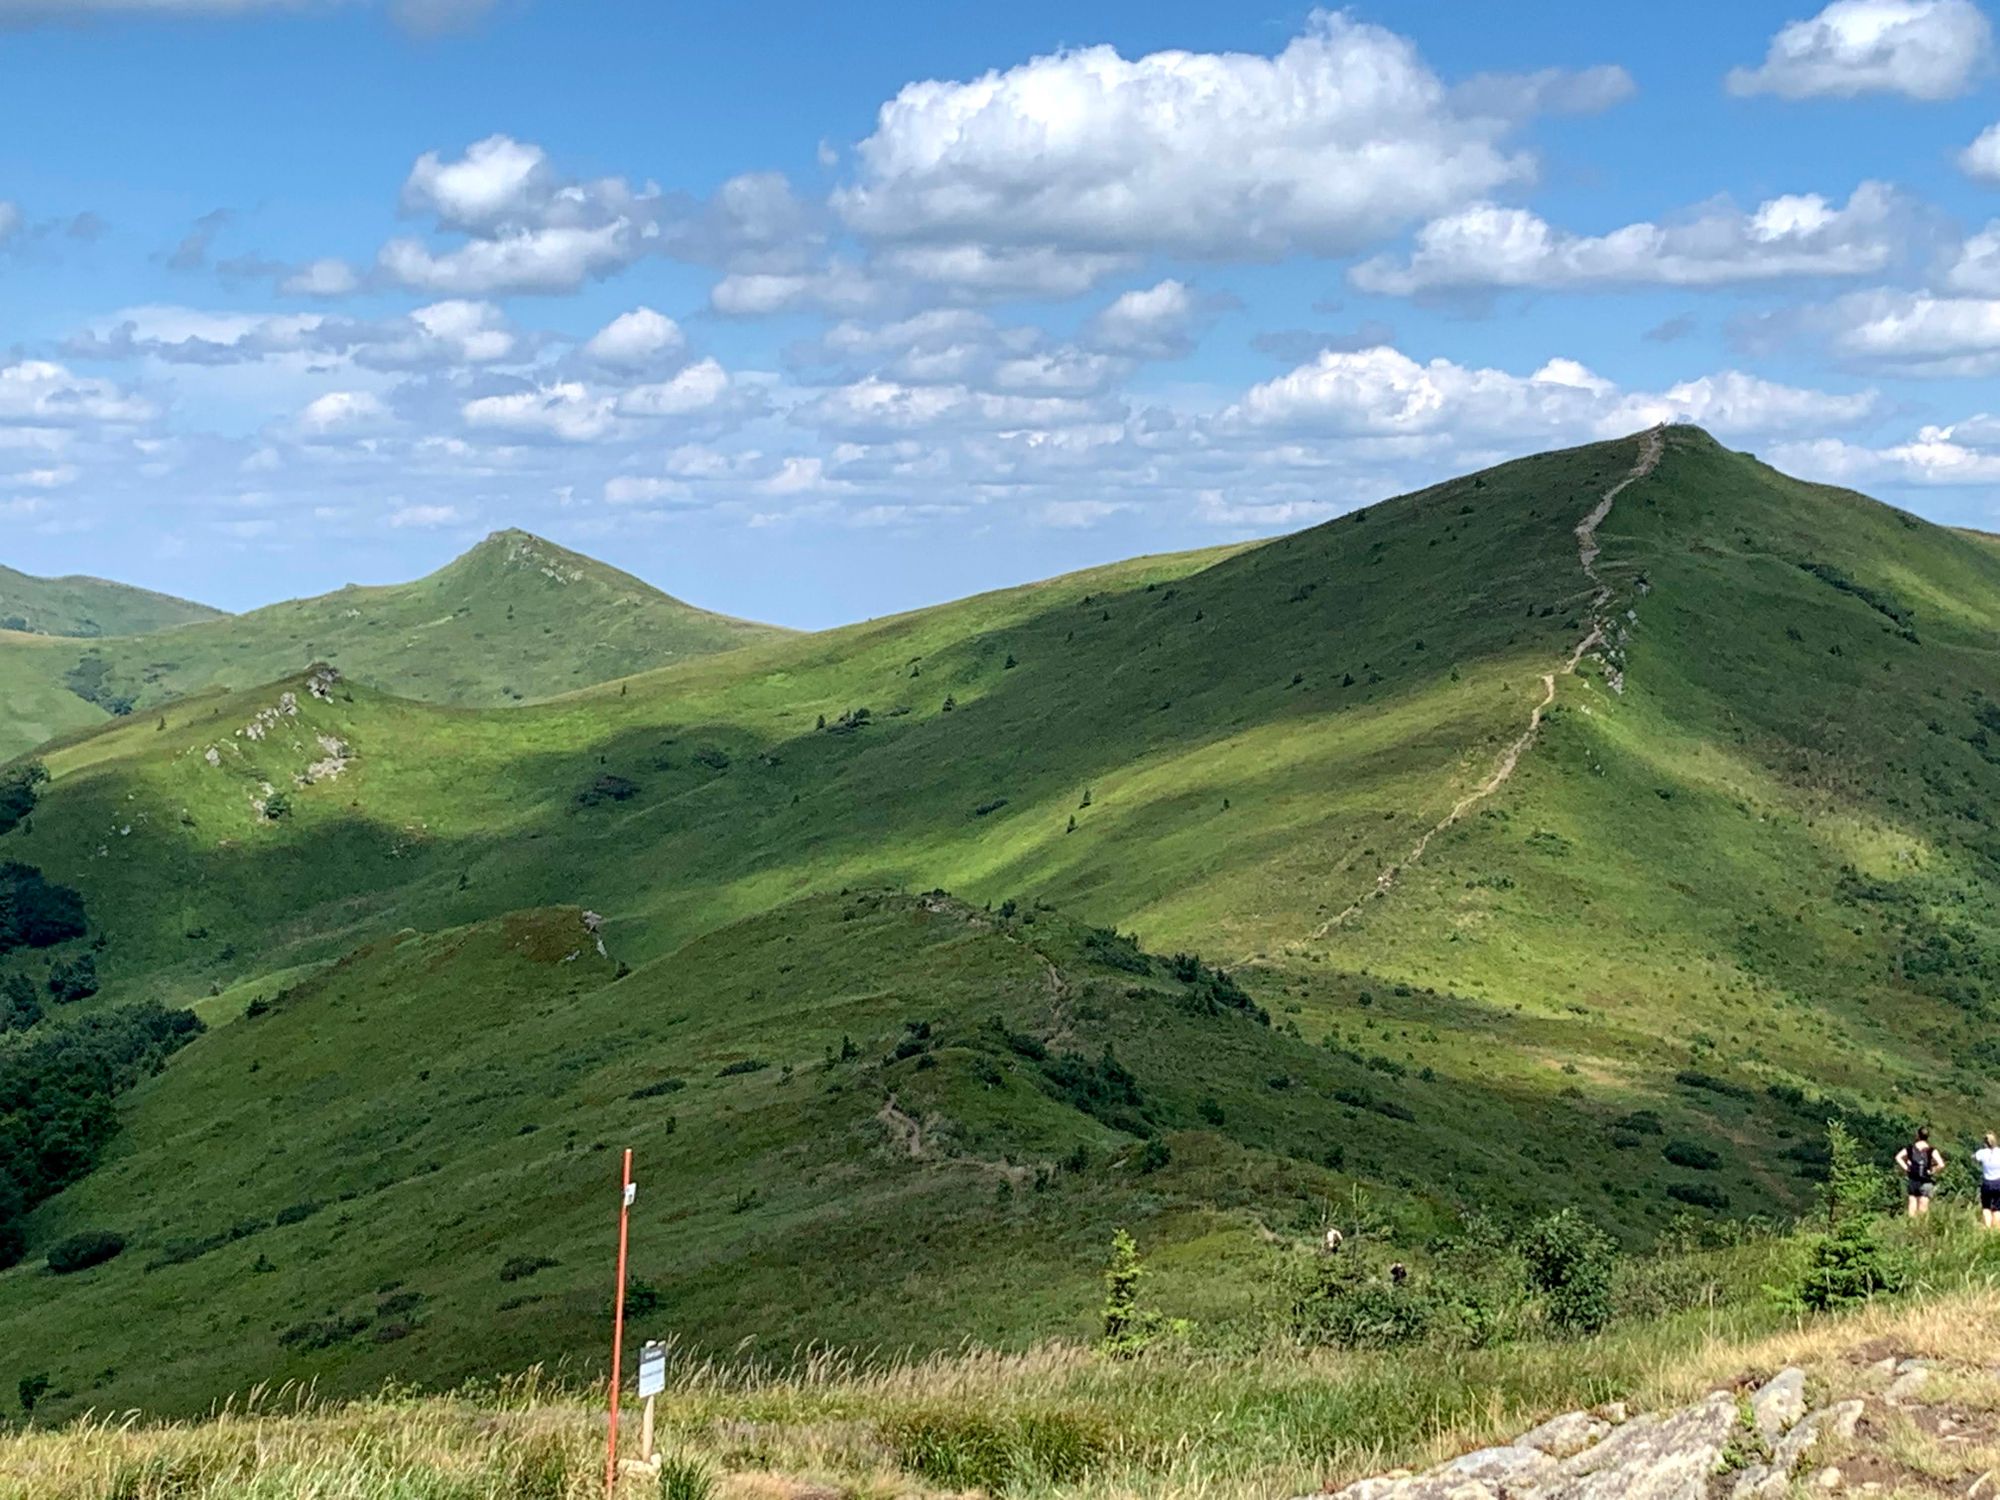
(1921, 1158)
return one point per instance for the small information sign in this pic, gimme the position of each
(652, 1370)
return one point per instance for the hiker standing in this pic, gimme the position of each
(1920, 1161)
(1988, 1157)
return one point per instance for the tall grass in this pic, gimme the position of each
(1053, 1421)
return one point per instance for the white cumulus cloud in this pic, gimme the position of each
(1735, 402)
(881, 407)
(452, 332)
(1982, 158)
(556, 259)
(700, 387)
(1976, 266)
(1966, 452)
(496, 182)
(341, 412)
(1344, 136)
(41, 393)
(474, 332)
(527, 228)
(836, 287)
(1001, 271)
(1917, 332)
(634, 339)
(1155, 322)
(327, 277)
(1922, 49)
(576, 411)
(568, 410)
(1382, 392)
(1487, 245)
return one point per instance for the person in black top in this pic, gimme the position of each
(1921, 1162)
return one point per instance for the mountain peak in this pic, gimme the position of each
(513, 544)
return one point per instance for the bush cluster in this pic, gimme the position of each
(18, 792)
(35, 912)
(1105, 1090)
(57, 1091)
(20, 1007)
(1114, 950)
(1570, 1263)
(73, 978)
(92, 1247)
(1211, 991)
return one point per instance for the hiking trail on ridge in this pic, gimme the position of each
(1652, 444)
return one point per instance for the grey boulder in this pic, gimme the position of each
(1566, 1435)
(1669, 1458)
(1779, 1403)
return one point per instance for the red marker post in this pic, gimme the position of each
(628, 1190)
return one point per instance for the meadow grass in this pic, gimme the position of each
(1055, 1420)
(38, 706)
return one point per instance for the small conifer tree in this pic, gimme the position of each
(1125, 1332)
(1848, 1263)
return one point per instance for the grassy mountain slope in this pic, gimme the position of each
(1772, 855)
(89, 607)
(1743, 871)
(399, 1166)
(39, 707)
(515, 618)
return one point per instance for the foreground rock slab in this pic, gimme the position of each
(1722, 1447)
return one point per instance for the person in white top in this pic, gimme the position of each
(1988, 1157)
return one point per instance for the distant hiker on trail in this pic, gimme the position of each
(1920, 1161)
(1988, 1157)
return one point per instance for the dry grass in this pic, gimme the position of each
(1054, 1421)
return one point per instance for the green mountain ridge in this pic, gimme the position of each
(516, 618)
(1739, 873)
(88, 607)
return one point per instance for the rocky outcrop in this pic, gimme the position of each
(1767, 1481)
(334, 757)
(1723, 1447)
(1567, 1435)
(1777, 1407)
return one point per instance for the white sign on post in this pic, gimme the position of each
(652, 1370)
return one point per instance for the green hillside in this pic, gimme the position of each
(39, 706)
(516, 618)
(89, 607)
(426, 1208)
(1702, 784)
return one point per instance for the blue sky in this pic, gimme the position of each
(813, 312)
